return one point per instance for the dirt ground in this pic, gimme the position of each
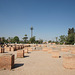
(38, 63)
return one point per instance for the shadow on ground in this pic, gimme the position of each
(29, 52)
(5, 52)
(26, 56)
(17, 65)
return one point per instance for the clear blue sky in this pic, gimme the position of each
(49, 18)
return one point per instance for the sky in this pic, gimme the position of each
(49, 18)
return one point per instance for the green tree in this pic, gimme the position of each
(63, 39)
(71, 36)
(70, 39)
(2, 39)
(25, 38)
(9, 39)
(12, 40)
(40, 41)
(37, 41)
(70, 31)
(16, 39)
(32, 39)
(49, 41)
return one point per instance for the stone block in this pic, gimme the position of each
(7, 49)
(6, 61)
(20, 53)
(1, 50)
(25, 50)
(12, 49)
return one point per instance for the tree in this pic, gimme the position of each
(71, 36)
(32, 39)
(8, 39)
(2, 39)
(40, 41)
(62, 39)
(70, 31)
(16, 39)
(37, 41)
(70, 39)
(25, 38)
(12, 40)
(74, 38)
(49, 41)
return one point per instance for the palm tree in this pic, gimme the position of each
(9, 39)
(0, 39)
(3, 39)
(25, 38)
(31, 31)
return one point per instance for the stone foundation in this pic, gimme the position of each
(69, 61)
(55, 54)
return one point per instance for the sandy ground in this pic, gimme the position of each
(38, 63)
